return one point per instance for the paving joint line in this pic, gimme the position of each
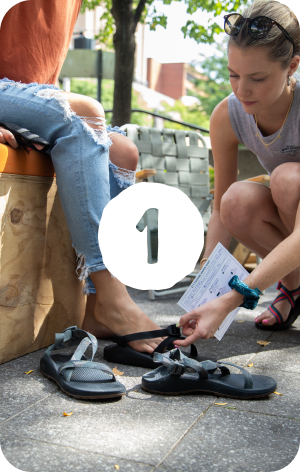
(75, 449)
(258, 412)
(22, 411)
(181, 437)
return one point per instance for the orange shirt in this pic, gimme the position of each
(34, 39)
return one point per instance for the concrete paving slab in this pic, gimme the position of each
(166, 469)
(290, 336)
(234, 349)
(24, 362)
(36, 456)
(235, 441)
(285, 405)
(19, 390)
(279, 356)
(133, 429)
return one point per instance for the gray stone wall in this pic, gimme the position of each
(249, 165)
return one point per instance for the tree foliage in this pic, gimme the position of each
(150, 15)
(121, 19)
(217, 86)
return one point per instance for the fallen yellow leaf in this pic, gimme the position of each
(117, 372)
(29, 372)
(263, 343)
(67, 414)
(241, 321)
(220, 404)
(277, 393)
(250, 365)
(117, 467)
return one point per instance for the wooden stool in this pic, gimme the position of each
(40, 293)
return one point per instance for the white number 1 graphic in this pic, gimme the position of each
(149, 223)
(125, 250)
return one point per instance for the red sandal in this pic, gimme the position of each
(293, 315)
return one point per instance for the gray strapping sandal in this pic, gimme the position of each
(76, 375)
(180, 375)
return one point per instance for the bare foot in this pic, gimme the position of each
(117, 311)
(90, 324)
(283, 306)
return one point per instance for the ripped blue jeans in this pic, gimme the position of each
(86, 179)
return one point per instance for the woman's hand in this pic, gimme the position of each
(203, 322)
(6, 137)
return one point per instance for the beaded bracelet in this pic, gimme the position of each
(251, 296)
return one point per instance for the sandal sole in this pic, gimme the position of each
(85, 397)
(188, 392)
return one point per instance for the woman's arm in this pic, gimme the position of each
(225, 153)
(281, 261)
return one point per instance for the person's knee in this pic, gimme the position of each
(85, 106)
(235, 206)
(285, 183)
(123, 152)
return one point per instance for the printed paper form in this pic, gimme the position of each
(212, 282)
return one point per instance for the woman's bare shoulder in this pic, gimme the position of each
(220, 124)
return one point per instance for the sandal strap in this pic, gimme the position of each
(74, 336)
(209, 366)
(275, 312)
(184, 364)
(24, 136)
(284, 295)
(171, 331)
(288, 295)
(168, 343)
(67, 368)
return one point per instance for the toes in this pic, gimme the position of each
(265, 319)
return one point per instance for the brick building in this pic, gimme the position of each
(174, 80)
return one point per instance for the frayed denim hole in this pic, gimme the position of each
(5, 83)
(100, 136)
(115, 129)
(81, 270)
(50, 93)
(124, 177)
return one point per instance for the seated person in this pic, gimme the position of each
(92, 164)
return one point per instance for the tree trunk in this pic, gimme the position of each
(124, 43)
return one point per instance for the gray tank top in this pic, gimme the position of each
(285, 149)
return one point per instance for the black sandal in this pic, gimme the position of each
(26, 138)
(181, 376)
(293, 315)
(121, 353)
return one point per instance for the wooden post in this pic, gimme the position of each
(40, 293)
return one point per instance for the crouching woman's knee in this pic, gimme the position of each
(234, 205)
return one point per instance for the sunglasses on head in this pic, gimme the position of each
(259, 27)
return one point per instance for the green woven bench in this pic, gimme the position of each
(180, 159)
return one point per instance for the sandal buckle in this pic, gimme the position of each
(173, 330)
(178, 369)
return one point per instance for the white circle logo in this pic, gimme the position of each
(125, 249)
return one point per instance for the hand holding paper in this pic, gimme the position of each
(211, 306)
